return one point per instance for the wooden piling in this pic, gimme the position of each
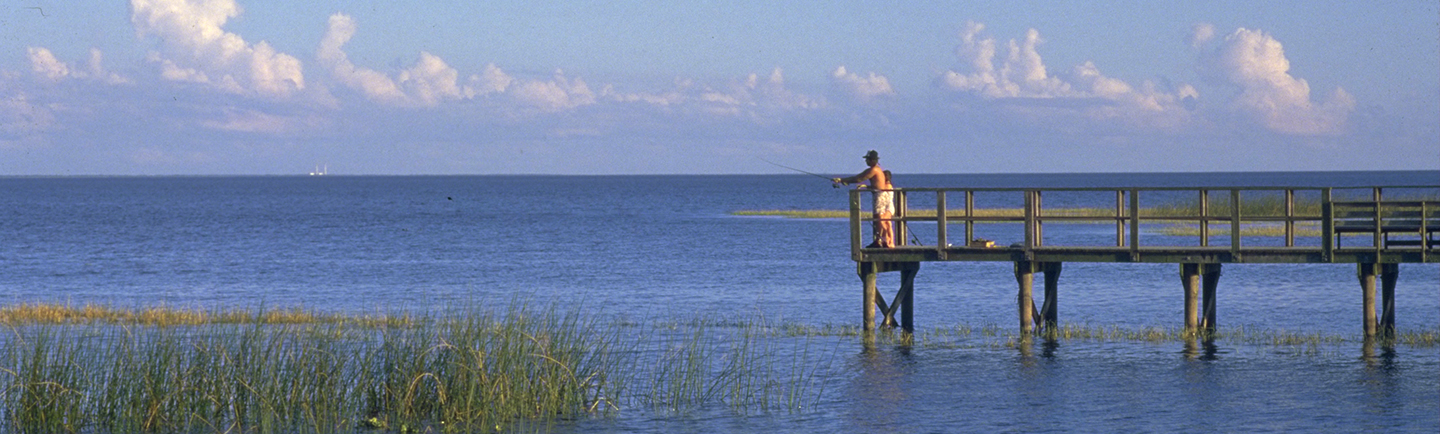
(1211, 277)
(1190, 278)
(907, 299)
(1366, 273)
(1388, 275)
(868, 274)
(1049, 314)
(1025, 276)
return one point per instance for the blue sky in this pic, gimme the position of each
(162, 87)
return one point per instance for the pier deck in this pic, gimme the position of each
(1200, 229)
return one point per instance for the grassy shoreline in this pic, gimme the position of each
(100, 369)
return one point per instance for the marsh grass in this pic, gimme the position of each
(94, 369)
(750, 368)
(67, 369)
(164, 316)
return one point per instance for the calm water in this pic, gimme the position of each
(666, 247)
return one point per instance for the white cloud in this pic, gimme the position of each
(1256, 63)
(1200, 34)
(1022, 74)
(560, 93)
(1085, 92)
(44, 64)
(428, 83)
(864, 88)
(196, 48)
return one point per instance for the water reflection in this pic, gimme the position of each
(1386, 359)
(1026, 346)
(879, 389)
(1201, 349)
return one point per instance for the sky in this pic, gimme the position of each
(279, 87)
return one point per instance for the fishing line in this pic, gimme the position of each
(827, 178)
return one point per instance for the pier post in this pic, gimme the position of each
(1366, 273)
(1211, 276)
(1025, 276)
(1049, 313)
(868, 274)
(907, 298)
(1388, 274)
(1190, 278)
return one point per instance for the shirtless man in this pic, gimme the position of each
(884, 199)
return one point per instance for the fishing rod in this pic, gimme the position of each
(827, 178)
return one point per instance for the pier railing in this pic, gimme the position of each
(1175, 225)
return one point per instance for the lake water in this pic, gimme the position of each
(666, 248)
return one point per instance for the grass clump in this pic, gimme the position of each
(96, 369)
(464, 372)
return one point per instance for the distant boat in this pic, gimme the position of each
(319, 171)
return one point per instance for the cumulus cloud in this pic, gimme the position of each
(1256, 63)
(428, 83)
(752, 96)
(1022, 74)
(560, 93)
(862, 87)
(196, 48)
(44, 64)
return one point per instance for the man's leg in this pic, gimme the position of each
(885, 231)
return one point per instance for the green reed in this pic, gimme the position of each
(466, 371)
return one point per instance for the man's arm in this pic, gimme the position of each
(860, 177)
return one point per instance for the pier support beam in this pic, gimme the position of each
(1190, 278)
(1211, 277)
(868, 276)
(1025, 302)
(904, 300)
(1388, 273)
(1048, 316)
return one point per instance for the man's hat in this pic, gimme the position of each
(872, 154)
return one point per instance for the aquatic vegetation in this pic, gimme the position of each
(67, 369)
(99, 369)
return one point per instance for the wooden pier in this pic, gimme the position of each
(1302, 226)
